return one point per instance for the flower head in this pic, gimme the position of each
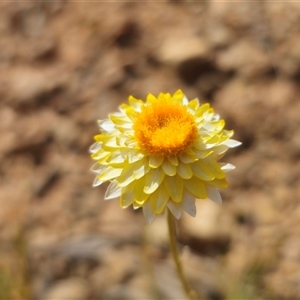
(162, 153)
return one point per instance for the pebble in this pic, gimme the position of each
(177, 49)
(70, 288)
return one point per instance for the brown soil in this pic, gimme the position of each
(64, 65)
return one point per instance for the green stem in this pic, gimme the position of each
(175, 254)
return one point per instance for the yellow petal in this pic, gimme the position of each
(174, 186)
(162, 199)
(196, 187)
(153, 180)
(151, 98)
(127, 196)
(218, 183)
(202, 109)
(201, 171)
(132, 172)
(134, 156)
(100, 156)
(188, 158)
(115, 158)
(131, 113)
(214, 167)
(173, 160)
(135, 103)
(178, 96)
(193, 104)
(168, 168)
(139, 195)
(184, 171)
(155, 161)
(141, 170)
(119, 119)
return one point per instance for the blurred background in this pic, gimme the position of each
(64, 65)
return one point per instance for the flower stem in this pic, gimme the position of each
(175, 253)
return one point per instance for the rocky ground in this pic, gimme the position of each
(64, 65)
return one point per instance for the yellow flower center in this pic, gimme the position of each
(165, 128)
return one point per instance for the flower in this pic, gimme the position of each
(162, 153)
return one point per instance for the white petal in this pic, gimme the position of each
(232, 143)
(106, 125)
(175, 209)
(227, 167)
(216, 117)
(95, 147)
(113, 191)
(97, 168)
(188, 203)
(209, 126)
(97, 181)
(110, 173)
(185, 100)
(213, 194)
(148, 213)
(220, 149)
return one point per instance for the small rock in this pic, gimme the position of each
(26, 86)
(245, 58)
(84, 247)
(31, 21)
(238, 15)
(264, 210)
(32, 132)
(291, 248)
(288, 56)
(111, 72)
(118, 265)
(281, 93)
(177, 49)
(71, 288)
(219, 35)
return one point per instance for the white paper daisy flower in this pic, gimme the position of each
(162, 153)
